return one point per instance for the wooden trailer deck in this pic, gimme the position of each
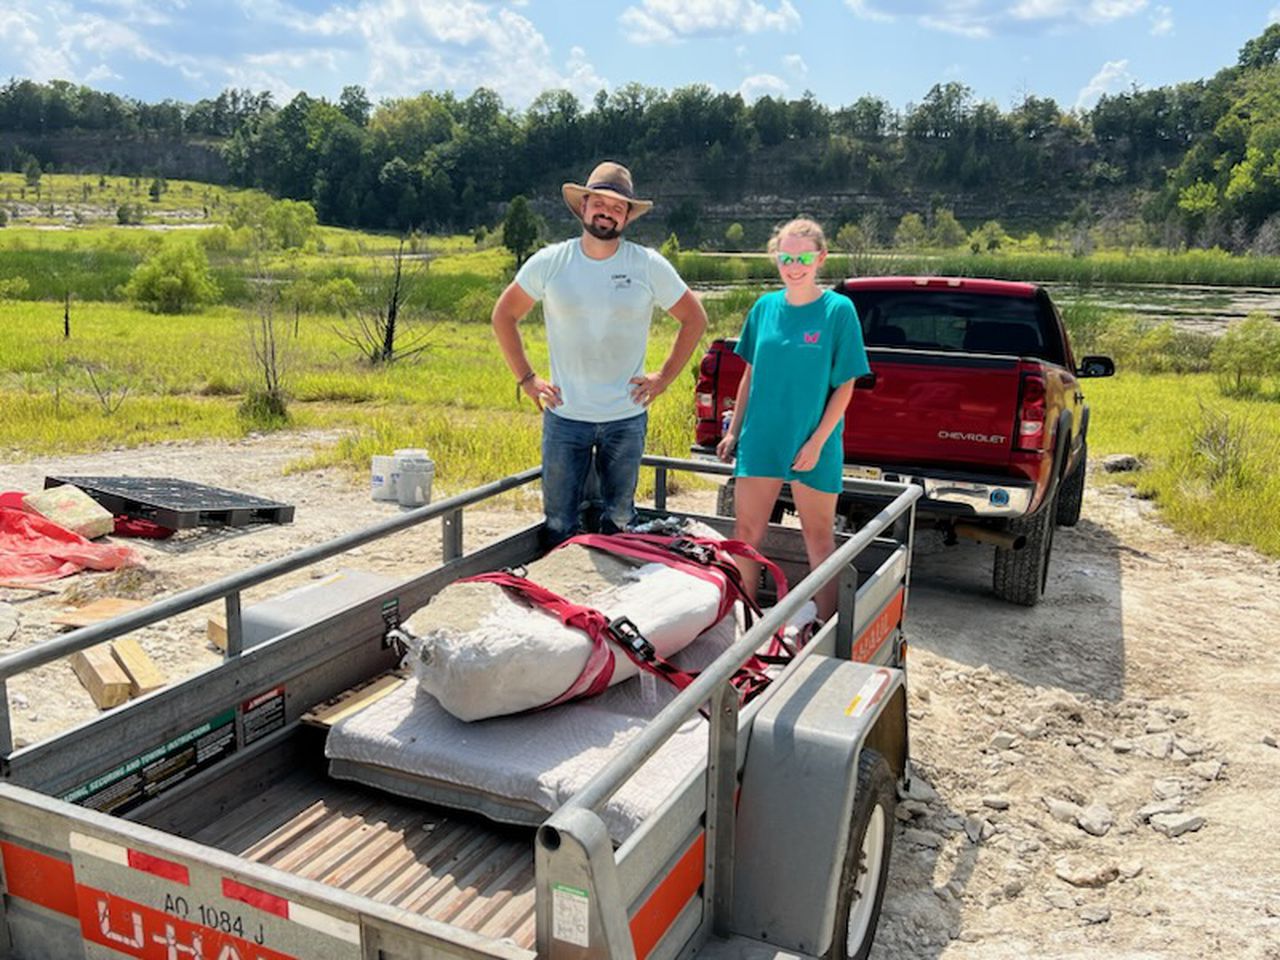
(442, 864)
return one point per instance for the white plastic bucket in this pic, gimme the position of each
(413, 483)
(412, 453)
(382, 477)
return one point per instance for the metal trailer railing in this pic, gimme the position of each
(229, 589)
(574, 839)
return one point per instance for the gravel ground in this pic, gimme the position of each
(1098, 776)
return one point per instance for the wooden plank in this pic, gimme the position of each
(95, 611)
(352, 701)
(35, 587)
(105, 680)
(216, 631)
(144, 675)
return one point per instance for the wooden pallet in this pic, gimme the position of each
(178, 504)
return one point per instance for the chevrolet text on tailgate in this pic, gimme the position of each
(974, 395)
(215, 819)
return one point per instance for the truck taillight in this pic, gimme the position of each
(703, 405)
(710, 363)
(1031, 411)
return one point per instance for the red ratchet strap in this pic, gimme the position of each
(598, 670)
(700, 556)
(694, 555)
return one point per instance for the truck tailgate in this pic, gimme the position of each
(937, 408)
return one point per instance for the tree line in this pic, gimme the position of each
(1198, 158)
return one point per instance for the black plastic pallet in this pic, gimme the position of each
(177, 504)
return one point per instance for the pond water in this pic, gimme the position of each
(1207, 309)
(1203, 308)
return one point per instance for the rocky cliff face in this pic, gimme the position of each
(141, 155)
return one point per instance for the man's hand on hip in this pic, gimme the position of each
(542, 392)
(646, 388)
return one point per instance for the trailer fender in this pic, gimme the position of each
(798, 796)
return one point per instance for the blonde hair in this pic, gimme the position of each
(799, 227)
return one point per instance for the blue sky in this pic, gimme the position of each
(1071, 50)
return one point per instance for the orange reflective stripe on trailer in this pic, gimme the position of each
(878, 630)
(671, 895)
(39, 878)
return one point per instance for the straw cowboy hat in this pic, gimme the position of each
(610, 180)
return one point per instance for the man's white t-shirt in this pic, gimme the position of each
(598, 314)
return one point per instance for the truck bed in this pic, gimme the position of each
(445, 865)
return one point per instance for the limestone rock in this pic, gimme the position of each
(1176, 824)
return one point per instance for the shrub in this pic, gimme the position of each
(910, 233)
(1220, 447)
(263, 410)
(1245, 354)
(129, 214)
(289, 223)
(174, 280)
(4, 217)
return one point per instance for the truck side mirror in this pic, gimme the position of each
(1096, 367)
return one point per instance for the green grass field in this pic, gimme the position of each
(128, 377)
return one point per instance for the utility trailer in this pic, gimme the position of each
(200, 822)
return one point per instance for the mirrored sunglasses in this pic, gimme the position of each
(806, 259)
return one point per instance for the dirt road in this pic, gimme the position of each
(1098, 775)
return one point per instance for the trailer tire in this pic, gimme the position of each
(725, 503)
(1071, 493)
(866, 863)
(724, 500)
(1019, 576)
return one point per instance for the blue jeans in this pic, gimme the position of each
(570, 448)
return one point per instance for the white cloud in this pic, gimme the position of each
(1161, 21)
(863, 10)
(1112, 78)
(413, 46)
(762, 85)
(100, 73)
(795, 65)
(981, 19)
(668, 21)
(148, 12)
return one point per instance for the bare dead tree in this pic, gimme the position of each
(380, 329)
(267, 399)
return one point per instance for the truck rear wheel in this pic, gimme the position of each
(1071, 494)
(1019, 576)
(866, 862)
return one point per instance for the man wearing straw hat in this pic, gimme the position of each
(598, 294)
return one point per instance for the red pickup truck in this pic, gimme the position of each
(973, 395)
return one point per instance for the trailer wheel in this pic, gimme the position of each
(1019, 576)
(724, 500)
(866, 863)
(1071, 493)
(725, 504)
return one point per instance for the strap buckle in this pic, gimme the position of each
(697, 552)
(627, 635)
(519, 570)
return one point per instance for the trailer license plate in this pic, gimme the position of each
(856, 472)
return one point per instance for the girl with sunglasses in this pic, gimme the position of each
(803, 348)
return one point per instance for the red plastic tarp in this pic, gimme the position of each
(33, 549)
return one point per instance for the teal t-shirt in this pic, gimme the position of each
(798, 355)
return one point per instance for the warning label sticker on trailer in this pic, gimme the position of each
(162, 768)
(570, 915)
(263, 714)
